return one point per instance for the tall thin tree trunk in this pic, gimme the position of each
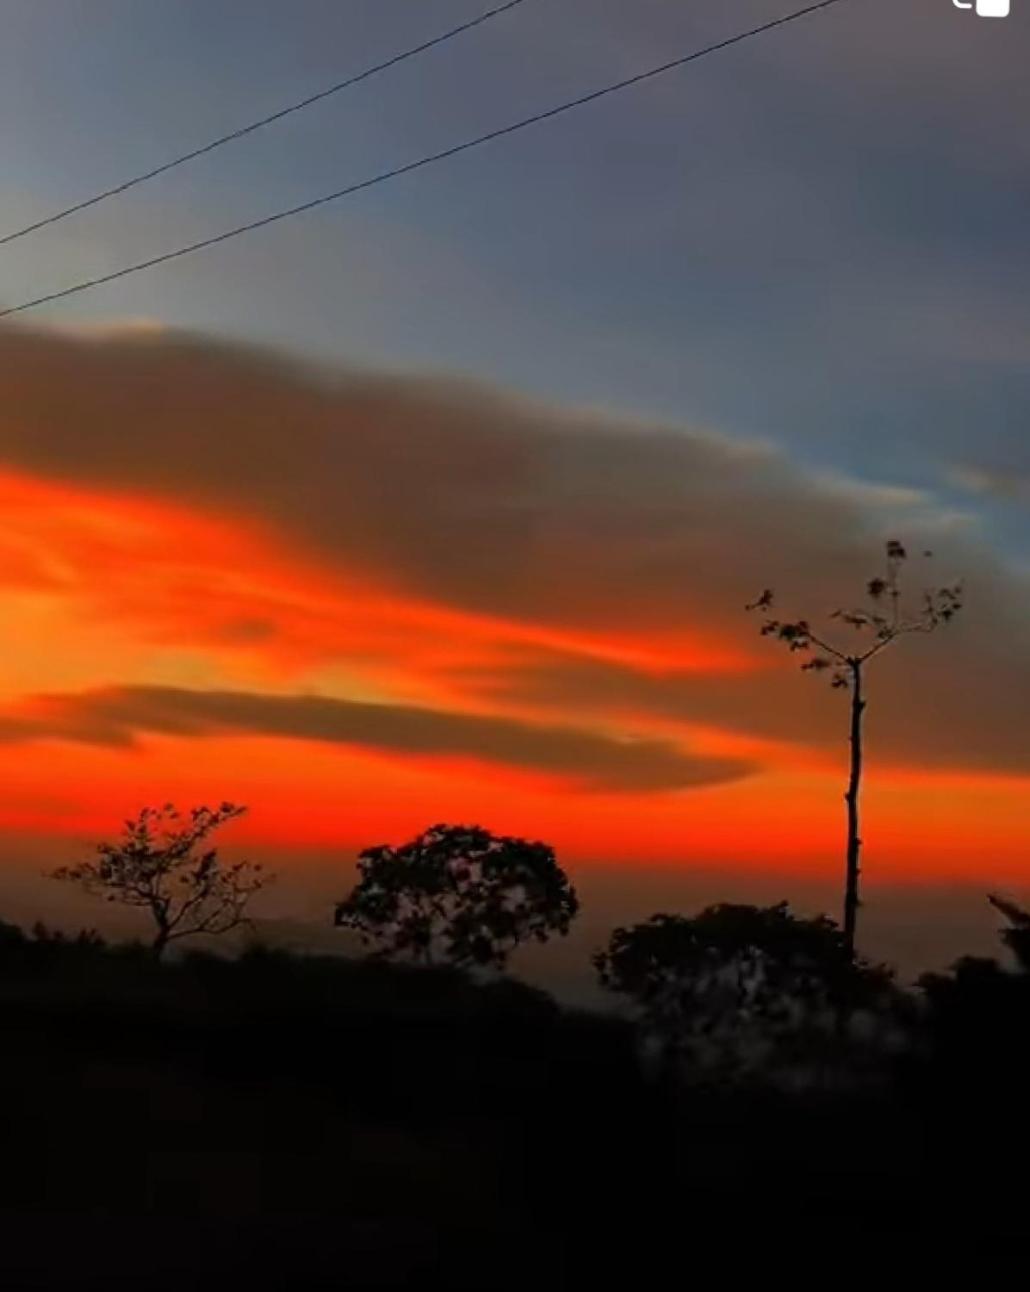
(851, 798)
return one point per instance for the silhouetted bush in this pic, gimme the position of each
(745, 993)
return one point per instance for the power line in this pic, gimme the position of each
(429, 160)
(260, 124)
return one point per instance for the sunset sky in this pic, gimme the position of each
(444, 503)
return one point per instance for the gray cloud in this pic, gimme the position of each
(118, 715)
(445, 489)
(1010, 484)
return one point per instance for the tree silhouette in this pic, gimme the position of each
(739, 988)
(881, 622)
(460, 894)
(1017, 936)
(161, 865)
(977, 1019)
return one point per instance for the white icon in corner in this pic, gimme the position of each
(986, 8)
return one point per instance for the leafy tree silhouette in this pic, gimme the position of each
(882, 621)
(460, 894)
(979, 1010)
(739, 989)
(977, 1025)
(161, 865)
(1017, 936)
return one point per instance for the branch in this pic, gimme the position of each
(882, 644)
(830, 650)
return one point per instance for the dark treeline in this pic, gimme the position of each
(283, 1120)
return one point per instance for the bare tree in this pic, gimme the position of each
(161, 865)
(881, 622)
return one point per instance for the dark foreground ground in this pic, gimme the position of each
(285, 1123)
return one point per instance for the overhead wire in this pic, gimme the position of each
(254, 126)
(421, 163)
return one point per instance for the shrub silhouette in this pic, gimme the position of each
(979, 1011)
(972, 1086)
(161, 865)
(459, 894)
(739, 990)
(1017, 936)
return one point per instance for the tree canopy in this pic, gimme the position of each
(459, 894)
(727, 988)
